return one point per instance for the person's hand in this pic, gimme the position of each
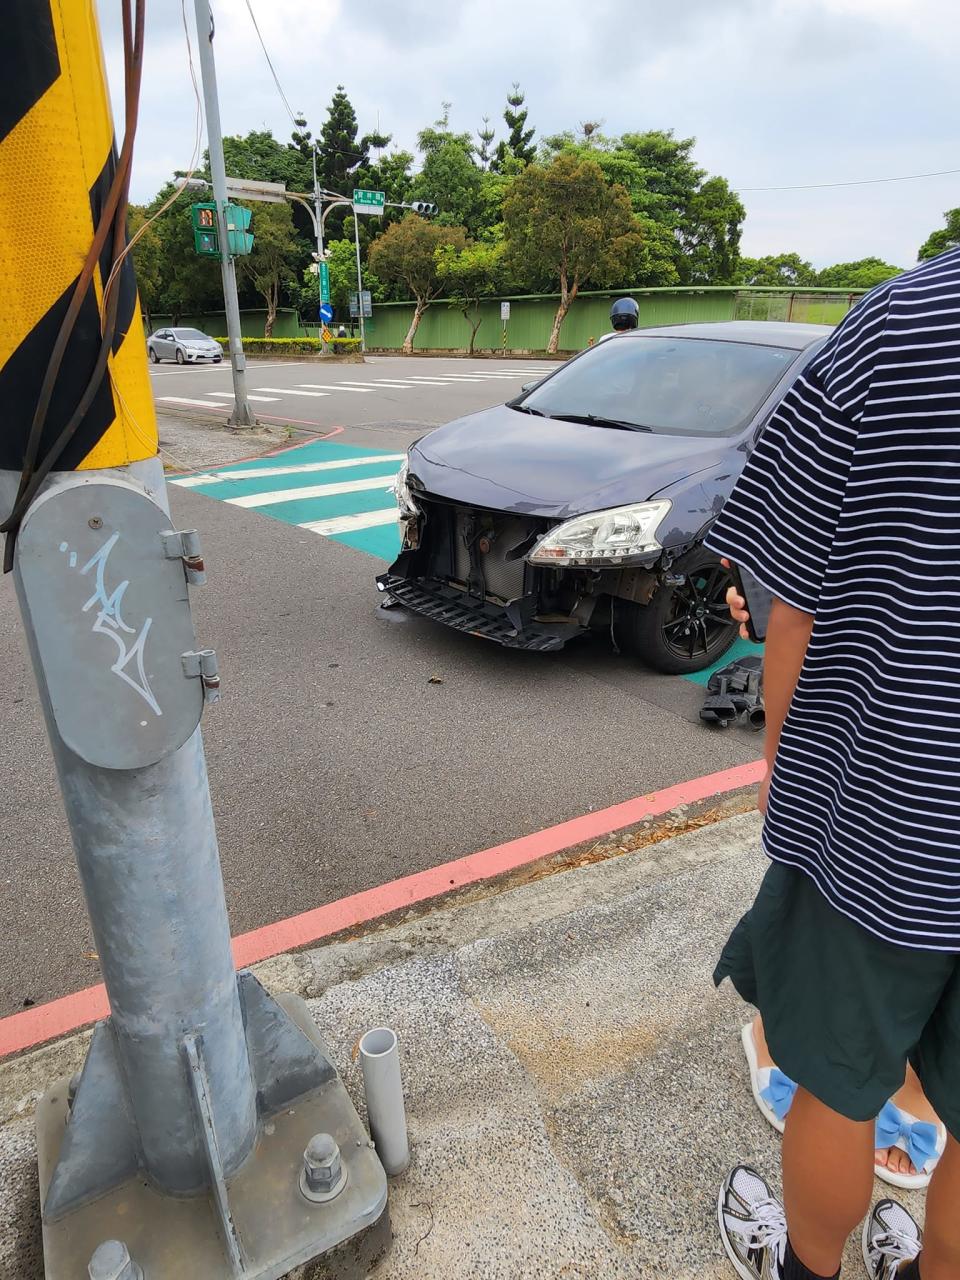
(737, 606)
(764, 791)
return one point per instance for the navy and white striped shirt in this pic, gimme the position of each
(849, 509)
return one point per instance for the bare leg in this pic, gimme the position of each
(827, 1182)
(941, 1234)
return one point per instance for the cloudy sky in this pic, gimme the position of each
(777, 92)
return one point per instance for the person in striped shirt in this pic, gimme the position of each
(848, 511)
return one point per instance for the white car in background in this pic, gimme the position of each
(186, 346)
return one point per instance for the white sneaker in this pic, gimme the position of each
(753, 1227)
(890, 1238)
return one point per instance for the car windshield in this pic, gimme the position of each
(675, 386)
(191, 335)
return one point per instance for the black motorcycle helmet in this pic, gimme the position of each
(625, 314)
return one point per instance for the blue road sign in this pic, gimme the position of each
(326, 312)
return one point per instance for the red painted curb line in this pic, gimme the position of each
(69, 1013)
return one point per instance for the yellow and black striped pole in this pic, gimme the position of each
(57, 161)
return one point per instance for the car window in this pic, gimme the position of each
(675, 386)
(191, 335)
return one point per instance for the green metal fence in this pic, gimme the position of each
(444, 327)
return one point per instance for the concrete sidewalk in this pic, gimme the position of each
(575, 1086)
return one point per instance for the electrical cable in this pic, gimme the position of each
(860, 182)
(276, 78)
(113, 217)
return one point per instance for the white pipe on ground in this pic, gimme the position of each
(380, 1061)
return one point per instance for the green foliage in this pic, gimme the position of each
(864, 274)
(295, 346)
(259, 156)
(274, 258)
(451, 178)
(470, 274)
(406, 255)
(485, 137)
(788, 270)
(517, 145)
(564, 224)
(947, 237)
(710, 235)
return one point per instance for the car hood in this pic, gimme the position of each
(512, 461)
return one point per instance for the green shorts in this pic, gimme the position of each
(844, 1011)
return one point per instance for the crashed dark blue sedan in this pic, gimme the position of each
(583, 504)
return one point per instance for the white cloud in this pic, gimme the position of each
(776, 91)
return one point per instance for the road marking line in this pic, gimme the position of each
(348, 524)
(58, 1017)
(327, 386)
(201, 404)
(290, 391)
(428, 382)
(312, 491)
(305, 468)
(228, 395)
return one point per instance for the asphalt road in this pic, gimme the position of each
(335, 762)
(387, 399)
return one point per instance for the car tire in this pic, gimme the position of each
(684, 628)
(180, 359)
(154, 358)
(217, 359)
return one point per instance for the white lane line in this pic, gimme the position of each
(429, 382)
(289, 391)
(313, 491)
(369, 386)
(200, 404)
(304, 468)
(347, 524)
(329, 386)
(228, 395)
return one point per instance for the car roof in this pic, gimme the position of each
(764, 333)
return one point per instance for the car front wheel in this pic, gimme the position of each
(154, 358)
(179, 356)
(684, 628)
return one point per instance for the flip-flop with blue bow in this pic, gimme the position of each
(924, 1143)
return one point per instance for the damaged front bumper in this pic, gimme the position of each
(504, 624)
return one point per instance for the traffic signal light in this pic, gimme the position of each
(424, 207)
(239, 239)
(205, 238)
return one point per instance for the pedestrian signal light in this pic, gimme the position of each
(205, 237)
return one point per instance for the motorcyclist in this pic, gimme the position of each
(624, 315)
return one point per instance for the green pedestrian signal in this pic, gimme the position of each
(239, 239)
(205, 237)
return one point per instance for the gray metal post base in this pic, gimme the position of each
(257, 1225)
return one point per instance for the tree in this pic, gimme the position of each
(273, 261)
(710, 235)
(518, 140)
(406, 255)
(258, 155)
(339, 151)
(566, 225)
(947, 237)
(864, 274)
(788, 270)
(450, 177)
(485, 137)
(468, 275)
(148, 260)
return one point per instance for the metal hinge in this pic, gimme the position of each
(203, 664)
(185, 545)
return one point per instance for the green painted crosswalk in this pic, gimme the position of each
(334, 490)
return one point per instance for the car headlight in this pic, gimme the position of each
(603, 537)
(401, 489)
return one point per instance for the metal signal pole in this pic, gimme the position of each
(242, 415)
(186, 1132)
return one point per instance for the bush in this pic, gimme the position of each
(293, 346)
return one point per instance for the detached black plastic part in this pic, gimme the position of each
(736, 690)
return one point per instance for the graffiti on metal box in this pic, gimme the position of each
(109, 621)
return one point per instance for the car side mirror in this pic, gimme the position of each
(527, 387)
